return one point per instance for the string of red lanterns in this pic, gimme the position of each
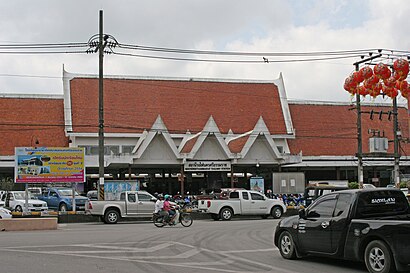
(380, 80)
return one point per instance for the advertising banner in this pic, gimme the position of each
(49, 165)
(257, 184)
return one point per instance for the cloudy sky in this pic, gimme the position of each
(230, 25)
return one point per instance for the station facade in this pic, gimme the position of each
(195, 135)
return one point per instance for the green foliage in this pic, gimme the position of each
(6, 183)
(353, 185)
(403, 184)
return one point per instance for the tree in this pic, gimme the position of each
(6, 183)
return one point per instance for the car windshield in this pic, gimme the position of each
(22, 196)
(67, 192)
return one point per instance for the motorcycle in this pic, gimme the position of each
(182, 217)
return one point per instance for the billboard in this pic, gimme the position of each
(49, 164)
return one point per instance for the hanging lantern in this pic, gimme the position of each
(402, 85)
(382, 71)
(401, 67)
(390, 82)
(374, 92)
(358, 77)
(350, 85)
(366, 72)
(361, 90)
(405, 92)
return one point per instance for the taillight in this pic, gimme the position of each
(90, 206)
(208, 204)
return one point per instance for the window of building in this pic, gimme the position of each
(127, 149)
(112, 150)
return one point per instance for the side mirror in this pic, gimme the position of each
(153, 199)
(302, 213)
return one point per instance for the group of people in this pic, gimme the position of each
(288, 199)
(164, 207)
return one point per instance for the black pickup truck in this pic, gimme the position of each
(370, 225)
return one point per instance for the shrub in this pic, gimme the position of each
(353, 185)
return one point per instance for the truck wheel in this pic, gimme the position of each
(111, 217)
(276, 212)
(225, 214)
(63, 207)
(378, 258)
(18, 208)
(287, 246)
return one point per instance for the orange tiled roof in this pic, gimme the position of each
(133, 105)
(331, 129)
(25, 120)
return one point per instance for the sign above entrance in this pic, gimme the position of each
(207, 166)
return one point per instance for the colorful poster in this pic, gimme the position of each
(49, 165)
(114, 188)
(257, 184)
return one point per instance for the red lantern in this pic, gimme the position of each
(402, 85)
(358, 77)
(374, 92)
(390, 82)
(382, 71)
(361, 90)
(401, 65)
(405, 92)
(350, 85)
(366, 72)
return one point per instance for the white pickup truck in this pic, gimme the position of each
(132, 204)
(242, 202)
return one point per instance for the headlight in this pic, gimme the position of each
(30, 205)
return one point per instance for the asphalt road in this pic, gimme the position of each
(207, 246)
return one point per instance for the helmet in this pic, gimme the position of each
(160, 196)
(167, 196)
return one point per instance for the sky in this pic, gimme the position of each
(229, 25)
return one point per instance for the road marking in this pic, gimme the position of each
(227, 257)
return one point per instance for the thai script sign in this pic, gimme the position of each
(49, 164)
(213, 166)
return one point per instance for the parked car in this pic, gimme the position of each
(242, 202)
(132, 204)
(61, 199)
(92, 195)
(370, 225)
(313, 192)
(16, 200)
(5, 213)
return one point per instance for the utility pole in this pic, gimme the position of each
(101, 170)
(359, 127)
(98, 43)
(396, 145)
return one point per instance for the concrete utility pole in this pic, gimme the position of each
(359, 127)
(101, 112)
(396, 145)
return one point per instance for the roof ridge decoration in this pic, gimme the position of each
(260, 130)
(211, 128)
(285, 106)
(157, 128)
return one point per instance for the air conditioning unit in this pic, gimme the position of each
(378, 144)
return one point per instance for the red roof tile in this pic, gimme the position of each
(25, 120)
(133, 105)
(331, 129)
(236, 146)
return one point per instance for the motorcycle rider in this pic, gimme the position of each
(169, 209)
(159, 204)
